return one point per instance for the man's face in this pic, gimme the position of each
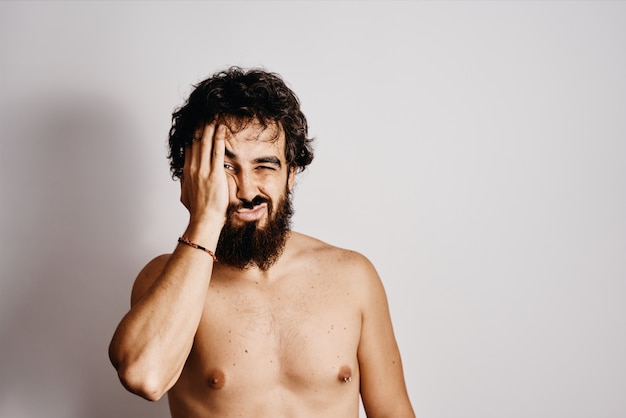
(260, 181)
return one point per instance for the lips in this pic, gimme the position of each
(254, 214)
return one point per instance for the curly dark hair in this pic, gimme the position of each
(241, 96)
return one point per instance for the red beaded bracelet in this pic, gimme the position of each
(186, 241)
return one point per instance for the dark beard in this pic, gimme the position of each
(247, 245)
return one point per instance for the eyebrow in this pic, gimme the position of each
(229, 153)
(261, 160)
(268, 160)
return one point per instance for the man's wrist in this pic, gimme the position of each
(187, 241)
(205, 232)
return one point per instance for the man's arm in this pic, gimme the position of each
(383, 389)
(152, 342)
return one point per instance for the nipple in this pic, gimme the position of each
(216, 379)
(345, 374)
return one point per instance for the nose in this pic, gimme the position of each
(247, 188)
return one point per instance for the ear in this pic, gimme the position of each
(291, 178)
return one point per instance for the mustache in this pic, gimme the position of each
(248, 204)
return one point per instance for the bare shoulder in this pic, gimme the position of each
(336, 262)
(308, 247)
(147, 276)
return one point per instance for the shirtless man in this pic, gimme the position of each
(247, 318)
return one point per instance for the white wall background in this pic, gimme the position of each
(475, 151)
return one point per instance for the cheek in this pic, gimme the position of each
(271, 184)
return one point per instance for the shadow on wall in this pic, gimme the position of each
(71, 200)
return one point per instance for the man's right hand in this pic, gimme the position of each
(204, 187)
(153, 341)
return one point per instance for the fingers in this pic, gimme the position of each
(205, 147)
(191, 154)
(198, 154)
(217, 160)
(204, 188)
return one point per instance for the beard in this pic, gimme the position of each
(249, 245)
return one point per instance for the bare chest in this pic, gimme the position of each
(301, 334)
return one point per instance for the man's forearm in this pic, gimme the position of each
(152, 342)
